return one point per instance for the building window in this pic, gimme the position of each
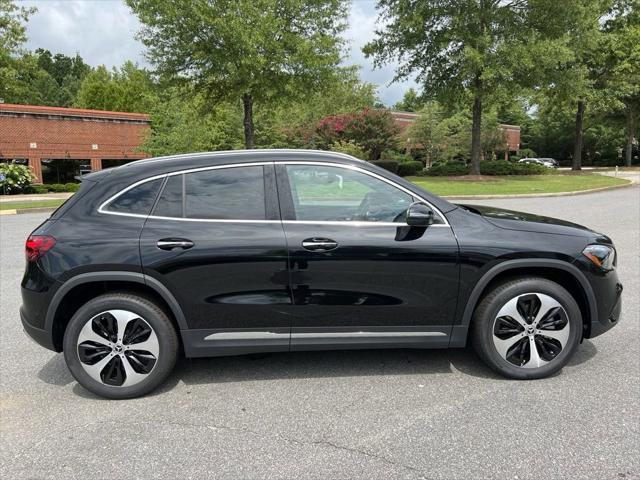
(63, 170)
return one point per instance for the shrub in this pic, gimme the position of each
(390, 165)
(526, 153)
(71, 187)
(374, 130)
(406, 169)
(395, 156)
(608, 162)
(502, 167)
(349, 147)
(17, 178)
(448, 169)
(56, 187)
(37, 189)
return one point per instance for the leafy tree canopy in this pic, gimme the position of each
(256, 50)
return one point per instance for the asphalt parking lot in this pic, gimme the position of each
(361, 414)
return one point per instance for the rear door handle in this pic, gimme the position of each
(171, 243)
(319, 244)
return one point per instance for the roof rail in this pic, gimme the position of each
(240, 152)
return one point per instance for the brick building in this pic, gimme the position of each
(60, 143)
(511, 132)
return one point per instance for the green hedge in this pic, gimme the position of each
(390, 165)
(390, 155)
(502, 167)
(53, 187)
(406, 169)
(56, 187)
(447, 169)
(38, 189)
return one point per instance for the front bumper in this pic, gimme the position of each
(40, 336)
(608, 314)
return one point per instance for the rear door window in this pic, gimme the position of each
(236, 193)
(171, 201)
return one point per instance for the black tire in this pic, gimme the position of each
(485, 320)
(167, 345)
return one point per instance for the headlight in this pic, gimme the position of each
(602, 256)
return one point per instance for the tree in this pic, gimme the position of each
(67, 72)
(181, 122)
(474, 49)
(290, 121)
(12, 28)
(622, 57)
(128, 89)
(579, 78)
(428, 133)
(411, 102)
(12, 36)
(253, 50)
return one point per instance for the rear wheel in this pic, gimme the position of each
(120, 345)
(527, 328)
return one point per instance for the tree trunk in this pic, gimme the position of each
(247, 102)
(630, 132)
(577, 146)
(476, 130)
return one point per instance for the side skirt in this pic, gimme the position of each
(214, 343)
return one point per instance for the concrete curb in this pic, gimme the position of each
(21, 211)
(453, 197)
(537, 195)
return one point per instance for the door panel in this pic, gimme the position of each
(373, 280)
(228, 274)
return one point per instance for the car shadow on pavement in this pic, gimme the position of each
(319, 364)
(343, 363)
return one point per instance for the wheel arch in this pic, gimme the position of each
(563, 273)
(78, 290)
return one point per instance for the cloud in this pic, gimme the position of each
(362, 24)
(103, 33)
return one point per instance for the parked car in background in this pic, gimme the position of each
(545, 162)
(242, 252)
(554, 163)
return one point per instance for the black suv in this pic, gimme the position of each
(282, 250)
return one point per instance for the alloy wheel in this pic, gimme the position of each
(118, 348)
(531, 330)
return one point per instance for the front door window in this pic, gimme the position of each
(327, 193)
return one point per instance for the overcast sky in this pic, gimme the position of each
(103, 32)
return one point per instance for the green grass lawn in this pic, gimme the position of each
(31, 204)
(515, 185)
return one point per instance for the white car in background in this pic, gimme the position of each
(546, 162)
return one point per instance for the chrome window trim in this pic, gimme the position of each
(103, 205)
(102, 208)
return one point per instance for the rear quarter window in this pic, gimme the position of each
(138, 200)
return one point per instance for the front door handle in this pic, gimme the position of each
(171, 243)
(319, 244)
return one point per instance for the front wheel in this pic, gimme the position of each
(527, 328)
(120, 346)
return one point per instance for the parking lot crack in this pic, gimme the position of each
(325, 443)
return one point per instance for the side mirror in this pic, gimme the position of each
(419, 215)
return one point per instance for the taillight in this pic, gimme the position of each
(38, 245)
